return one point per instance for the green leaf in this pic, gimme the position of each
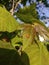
(37, 52)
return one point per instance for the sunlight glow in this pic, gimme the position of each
(41, 38)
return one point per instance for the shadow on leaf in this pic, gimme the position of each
(11, 57)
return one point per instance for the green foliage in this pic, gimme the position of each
(37, 55)
(29, 10)
(27, 14)
(9, 55)
(34, 53)
(7, 22)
